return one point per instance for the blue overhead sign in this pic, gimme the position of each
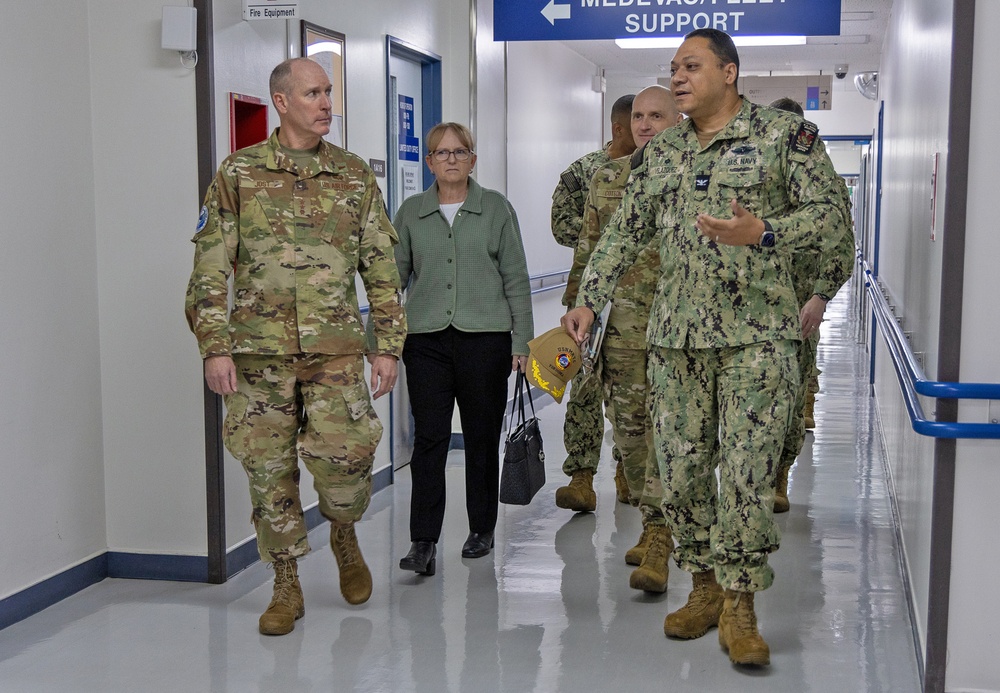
(568, 20)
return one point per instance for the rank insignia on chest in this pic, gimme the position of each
(701, 182)
(805, 138)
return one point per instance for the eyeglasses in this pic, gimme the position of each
(445, 154)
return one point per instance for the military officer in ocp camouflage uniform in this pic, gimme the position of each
(817, 278)
(729, 195)
(623, 353)
(293, 220)
(584, 425)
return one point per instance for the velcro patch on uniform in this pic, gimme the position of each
(571, 182)
(261, 184)
(611, 193)
(701, 182)
(202, 218)
(347, 186)
(805, 138)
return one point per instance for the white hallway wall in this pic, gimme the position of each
(50, 413)
(916, 53)
(973, 638)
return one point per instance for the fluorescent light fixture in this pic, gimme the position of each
(324, 47)
(675, 41)
(838, 40)
(857, 16)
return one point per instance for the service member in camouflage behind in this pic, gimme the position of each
(293, 220)
(817, 279)
(583, 429)
(730, 195)
(623, 353)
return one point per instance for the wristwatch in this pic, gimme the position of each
(767, 238)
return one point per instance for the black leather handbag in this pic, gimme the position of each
(523, 459)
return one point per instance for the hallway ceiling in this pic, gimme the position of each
(864, 22)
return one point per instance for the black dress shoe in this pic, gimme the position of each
(478, 544)
(420, 559)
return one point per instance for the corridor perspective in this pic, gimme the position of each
(550, 610)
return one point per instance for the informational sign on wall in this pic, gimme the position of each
(411, 177)
(270, 9)
(812, 92)
(409, 145)
(567, 20)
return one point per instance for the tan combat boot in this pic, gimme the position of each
(651, 575)
(286, 605)
(634, 555)
(807, 411)
(621, 485)
(738, 631)
(579, 495)
(355, 579)
(781, 503)
(701, 612)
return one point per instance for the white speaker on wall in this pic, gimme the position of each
(178, 32)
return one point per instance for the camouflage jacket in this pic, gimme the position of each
(824, 274)
(633, 296)
(570, 195)
(711, 295)
(294, 240)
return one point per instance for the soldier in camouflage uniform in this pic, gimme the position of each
(293, 220)
(584, 425)
(729, 195)
(817, 279)
(623, 353)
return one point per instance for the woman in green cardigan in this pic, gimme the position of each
(468, 307)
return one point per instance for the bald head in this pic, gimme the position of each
(653, 111)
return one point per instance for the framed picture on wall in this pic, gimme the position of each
(326, 47)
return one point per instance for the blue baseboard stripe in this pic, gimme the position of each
(47, 592)
(138, 566)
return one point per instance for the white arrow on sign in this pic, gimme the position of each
(552, 12)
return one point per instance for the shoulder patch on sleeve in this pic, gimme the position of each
(637, 157)
(202, 218)
(570, 180)
(804, 140)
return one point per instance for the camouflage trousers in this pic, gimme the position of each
(623, 374)
(727, 408)
(312, 406)
(583, 429)
(796, 436)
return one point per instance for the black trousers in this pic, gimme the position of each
(472, 369)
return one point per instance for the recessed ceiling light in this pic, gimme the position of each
(837, 40)
(675, 41)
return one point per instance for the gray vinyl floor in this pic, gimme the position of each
(549, 610)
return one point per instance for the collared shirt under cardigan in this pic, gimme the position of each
(472, 275)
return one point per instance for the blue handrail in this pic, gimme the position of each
(913, 382)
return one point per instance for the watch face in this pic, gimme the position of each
(767, 240)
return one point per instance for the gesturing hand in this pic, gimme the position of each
(743, 229)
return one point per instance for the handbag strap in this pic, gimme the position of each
(517, 402)
(527, 387)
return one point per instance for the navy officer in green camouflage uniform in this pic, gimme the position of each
(293, 220)
(730, 194)
(583, 429)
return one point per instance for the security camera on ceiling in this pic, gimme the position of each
(840, 71)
